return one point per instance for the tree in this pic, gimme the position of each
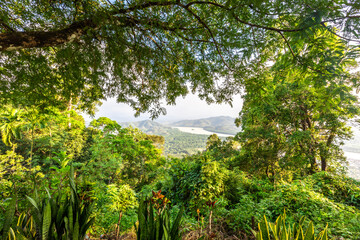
(121, 155)
(294, 117)
(149, 52)
(122, 198)
(39, 133)
(34, 121)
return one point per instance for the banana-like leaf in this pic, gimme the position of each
(9, 216)
(176, 225)
(76, 233)
(33, 202)
(46, 223)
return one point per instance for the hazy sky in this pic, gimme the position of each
(189, 108)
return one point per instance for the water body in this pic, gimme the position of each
(354, 164)
(197, 130)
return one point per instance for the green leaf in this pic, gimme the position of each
(33, 202)
(309, 234)
(46, 222)
(9, 216)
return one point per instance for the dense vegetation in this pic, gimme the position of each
(282, 176)
(115, 167)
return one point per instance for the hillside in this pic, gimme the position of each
(149, 127)
(177, 143)
(221, 124)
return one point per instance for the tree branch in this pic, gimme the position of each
(288, 44)
(12, 40)
(208, 29)
(342, 37)
(5, 26)
(20, 40)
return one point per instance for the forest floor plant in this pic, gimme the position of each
(63, 217)
(154, 219)
(282, 231)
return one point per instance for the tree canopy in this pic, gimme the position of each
(298, 117)
(148, 53)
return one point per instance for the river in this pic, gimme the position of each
(197, 130)
(354, 164)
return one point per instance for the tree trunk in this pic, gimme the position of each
(323, 163)
(32, 143)
(69, 115)
(117, 231)
(210, 222)
(324, 152)
(12, 40)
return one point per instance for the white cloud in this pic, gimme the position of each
(190, 107)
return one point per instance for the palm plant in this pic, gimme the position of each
(33, 122)
(11, 121)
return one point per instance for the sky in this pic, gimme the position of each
(190, 107)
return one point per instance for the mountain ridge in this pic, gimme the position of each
(219, 124)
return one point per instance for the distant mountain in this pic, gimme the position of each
(221, 124)
(148, 126)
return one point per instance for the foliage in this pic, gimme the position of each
(122, 154)
(59, 218)
(157, 225)
(115, 165)
(299, 198)
(280, 230)
(146, 52)
(337, 188)
(6, 231)
(122, 199)
(16, 175)
(11, 121)
(38, 135)
(296, 116)
(196, 180)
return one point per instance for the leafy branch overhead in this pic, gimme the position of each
(147, 53)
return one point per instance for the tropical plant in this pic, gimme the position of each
(154, 219)
(6, 231)
(25, 228)
(11, 120)
(123, 155)
(196, 180)
(34, 121)
(122, 199)
(56, 218)
(280, 231)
